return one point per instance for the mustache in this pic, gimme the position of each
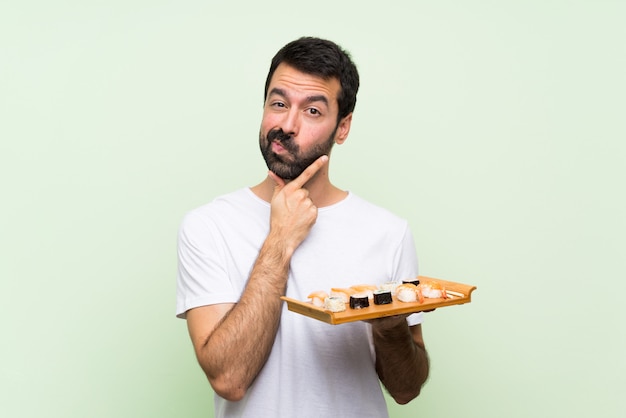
(284, 139)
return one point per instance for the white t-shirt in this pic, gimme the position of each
(315, 369)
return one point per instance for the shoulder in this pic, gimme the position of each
(365, 208)
(241, 199)
(219, 209)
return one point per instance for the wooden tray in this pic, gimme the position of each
(458, 294)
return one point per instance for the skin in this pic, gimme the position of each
(230, 346)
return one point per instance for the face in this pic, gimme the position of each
(299, 121)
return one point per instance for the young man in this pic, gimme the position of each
(291, 234)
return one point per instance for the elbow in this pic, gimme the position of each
(405, 397)
(228, 389)
(406, 393)
(225, 382)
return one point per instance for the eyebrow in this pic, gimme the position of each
(309, 99)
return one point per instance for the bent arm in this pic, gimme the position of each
(401, 359)
(232, 342)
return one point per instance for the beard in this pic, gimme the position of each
(290, 165)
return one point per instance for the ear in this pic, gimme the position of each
(343, 129)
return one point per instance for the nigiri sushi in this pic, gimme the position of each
(368, 289)
(406, 293)
(318, 297)
(433, 290)
(343, 293)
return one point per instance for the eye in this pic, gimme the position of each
(314, 112)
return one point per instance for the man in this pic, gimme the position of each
(291, 234)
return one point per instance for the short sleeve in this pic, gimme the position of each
(202, 278)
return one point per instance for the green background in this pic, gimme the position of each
(496, 128)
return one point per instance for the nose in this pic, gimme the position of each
(290, 122)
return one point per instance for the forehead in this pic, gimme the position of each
(298, 84)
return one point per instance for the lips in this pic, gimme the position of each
(280, 141)
(277, 147)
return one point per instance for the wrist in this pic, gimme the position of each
(390, 327)
(279, 246)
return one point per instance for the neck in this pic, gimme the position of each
(321, 191)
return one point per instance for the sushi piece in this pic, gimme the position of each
(406, 293)
(391, 286)
(359, 300)
(368, 289)
(433, 290)
(411, 281)
(382, 297)
(334, 304)
(343, 293)
(317, 298)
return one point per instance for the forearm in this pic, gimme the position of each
(240, 344)
(401, 361)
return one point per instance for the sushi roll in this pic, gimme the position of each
(382, 297)
(359, 301)
(391, 286)
(411, 281)
(334, 304)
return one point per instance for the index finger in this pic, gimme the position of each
(309, 172)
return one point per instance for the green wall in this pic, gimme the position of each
(497, 128)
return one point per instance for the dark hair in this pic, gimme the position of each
(324, 59)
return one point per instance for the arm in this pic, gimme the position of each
(401, 358)
(233, 341)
